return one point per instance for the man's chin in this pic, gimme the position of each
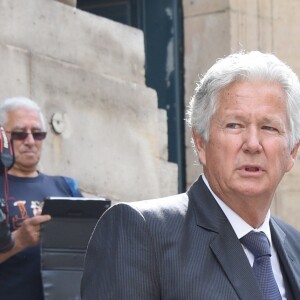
(24, 167)
(252, 192)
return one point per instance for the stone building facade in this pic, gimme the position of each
(215, 28)
(88, 75)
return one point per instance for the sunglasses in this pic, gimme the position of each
(22, 135)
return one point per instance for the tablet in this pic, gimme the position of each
(64, 240)
(75, 207)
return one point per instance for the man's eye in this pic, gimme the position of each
(270, 128)
(233, 125)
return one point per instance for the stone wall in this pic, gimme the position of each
(88, 72)
(215, 28)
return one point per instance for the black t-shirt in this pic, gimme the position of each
(20, 275)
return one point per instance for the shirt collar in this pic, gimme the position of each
(239, 225)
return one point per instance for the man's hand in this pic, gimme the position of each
(27, 235)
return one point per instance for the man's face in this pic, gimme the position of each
(28, 151)
(247, 152)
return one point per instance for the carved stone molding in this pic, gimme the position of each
(69, 2)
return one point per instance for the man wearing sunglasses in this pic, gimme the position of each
(24, 124)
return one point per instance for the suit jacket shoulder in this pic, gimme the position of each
(179, 247)
(163, 209)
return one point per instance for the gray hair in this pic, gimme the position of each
(243, 66)
(14, 103)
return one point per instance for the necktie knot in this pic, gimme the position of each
(257, 243)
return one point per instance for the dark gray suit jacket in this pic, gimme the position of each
(178, 248)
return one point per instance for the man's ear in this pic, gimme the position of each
(200, 147)
(293, 157)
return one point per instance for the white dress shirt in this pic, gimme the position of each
(241, 228)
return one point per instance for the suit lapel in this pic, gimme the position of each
(235, 265)
(225, 244)
(287, 256)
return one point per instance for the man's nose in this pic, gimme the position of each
(29, 139)
(252, 140)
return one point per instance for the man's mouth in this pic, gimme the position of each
(28, 152)
(252, 169)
